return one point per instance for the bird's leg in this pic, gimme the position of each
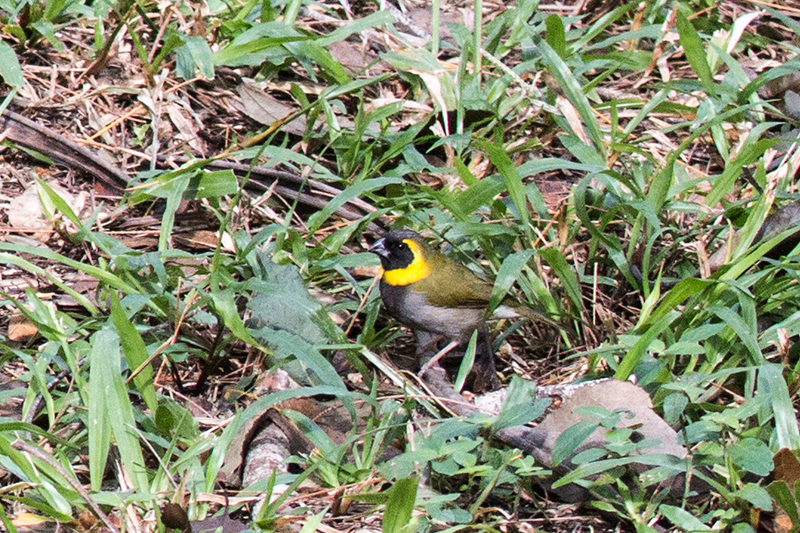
(435, 359)
(427, 342)
(482, 378)
(484, 371)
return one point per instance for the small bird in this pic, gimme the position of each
(440, 298)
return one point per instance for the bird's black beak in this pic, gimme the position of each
(379, 248)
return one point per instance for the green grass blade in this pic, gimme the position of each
(748, 155)
(466, 363)
(106, 355)
(565, 273)
(574, 93)
(135, 353)
(695, 52)
(555, 35)
(512, 180)
(772, 385)
(98, 426)
(10, 69)
(507, 274)
(634, 355)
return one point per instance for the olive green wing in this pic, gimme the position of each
(452, 284)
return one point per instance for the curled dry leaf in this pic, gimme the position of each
(187, 126)
(26, 212)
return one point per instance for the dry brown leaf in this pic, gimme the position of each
(202, 239)
(266, 109)
(351, 56)
(787, 467)
(28, 519)
(20, 328)
(26, 213)
(187, 127)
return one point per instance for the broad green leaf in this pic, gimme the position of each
(174, 196)
(10, 69)
(724, 182)
(312, 523)
(98, 426)
(521, 405)
(674, 408)
(555, 35)
(99, 273)
(508, 274)
(211, 184)
(574, 93)
(466, 363)
(668, 462)
(783, 496)
(511, 178)
(603, 23)
(400, 506)
(48, 31)
(571, 439)
(243, 52)
(752, 455)
(195, 52)
(225, 306)
(323, 443)
(566, 274)
(756, 495)
(634, 355)
(323, 59)
(357, 27)
(316, 220)
(746, 331)
(678, 294)
(435, 76)
(682, 518)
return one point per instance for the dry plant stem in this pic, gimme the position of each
(139, 108)
(775, 5)
(168, 342)
(362, 303)
(28, 134)
(27, 448)
(37, 403)
(318, 196)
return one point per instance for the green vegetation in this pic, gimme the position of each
(661, 122)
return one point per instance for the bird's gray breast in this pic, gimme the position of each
(412, 309)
